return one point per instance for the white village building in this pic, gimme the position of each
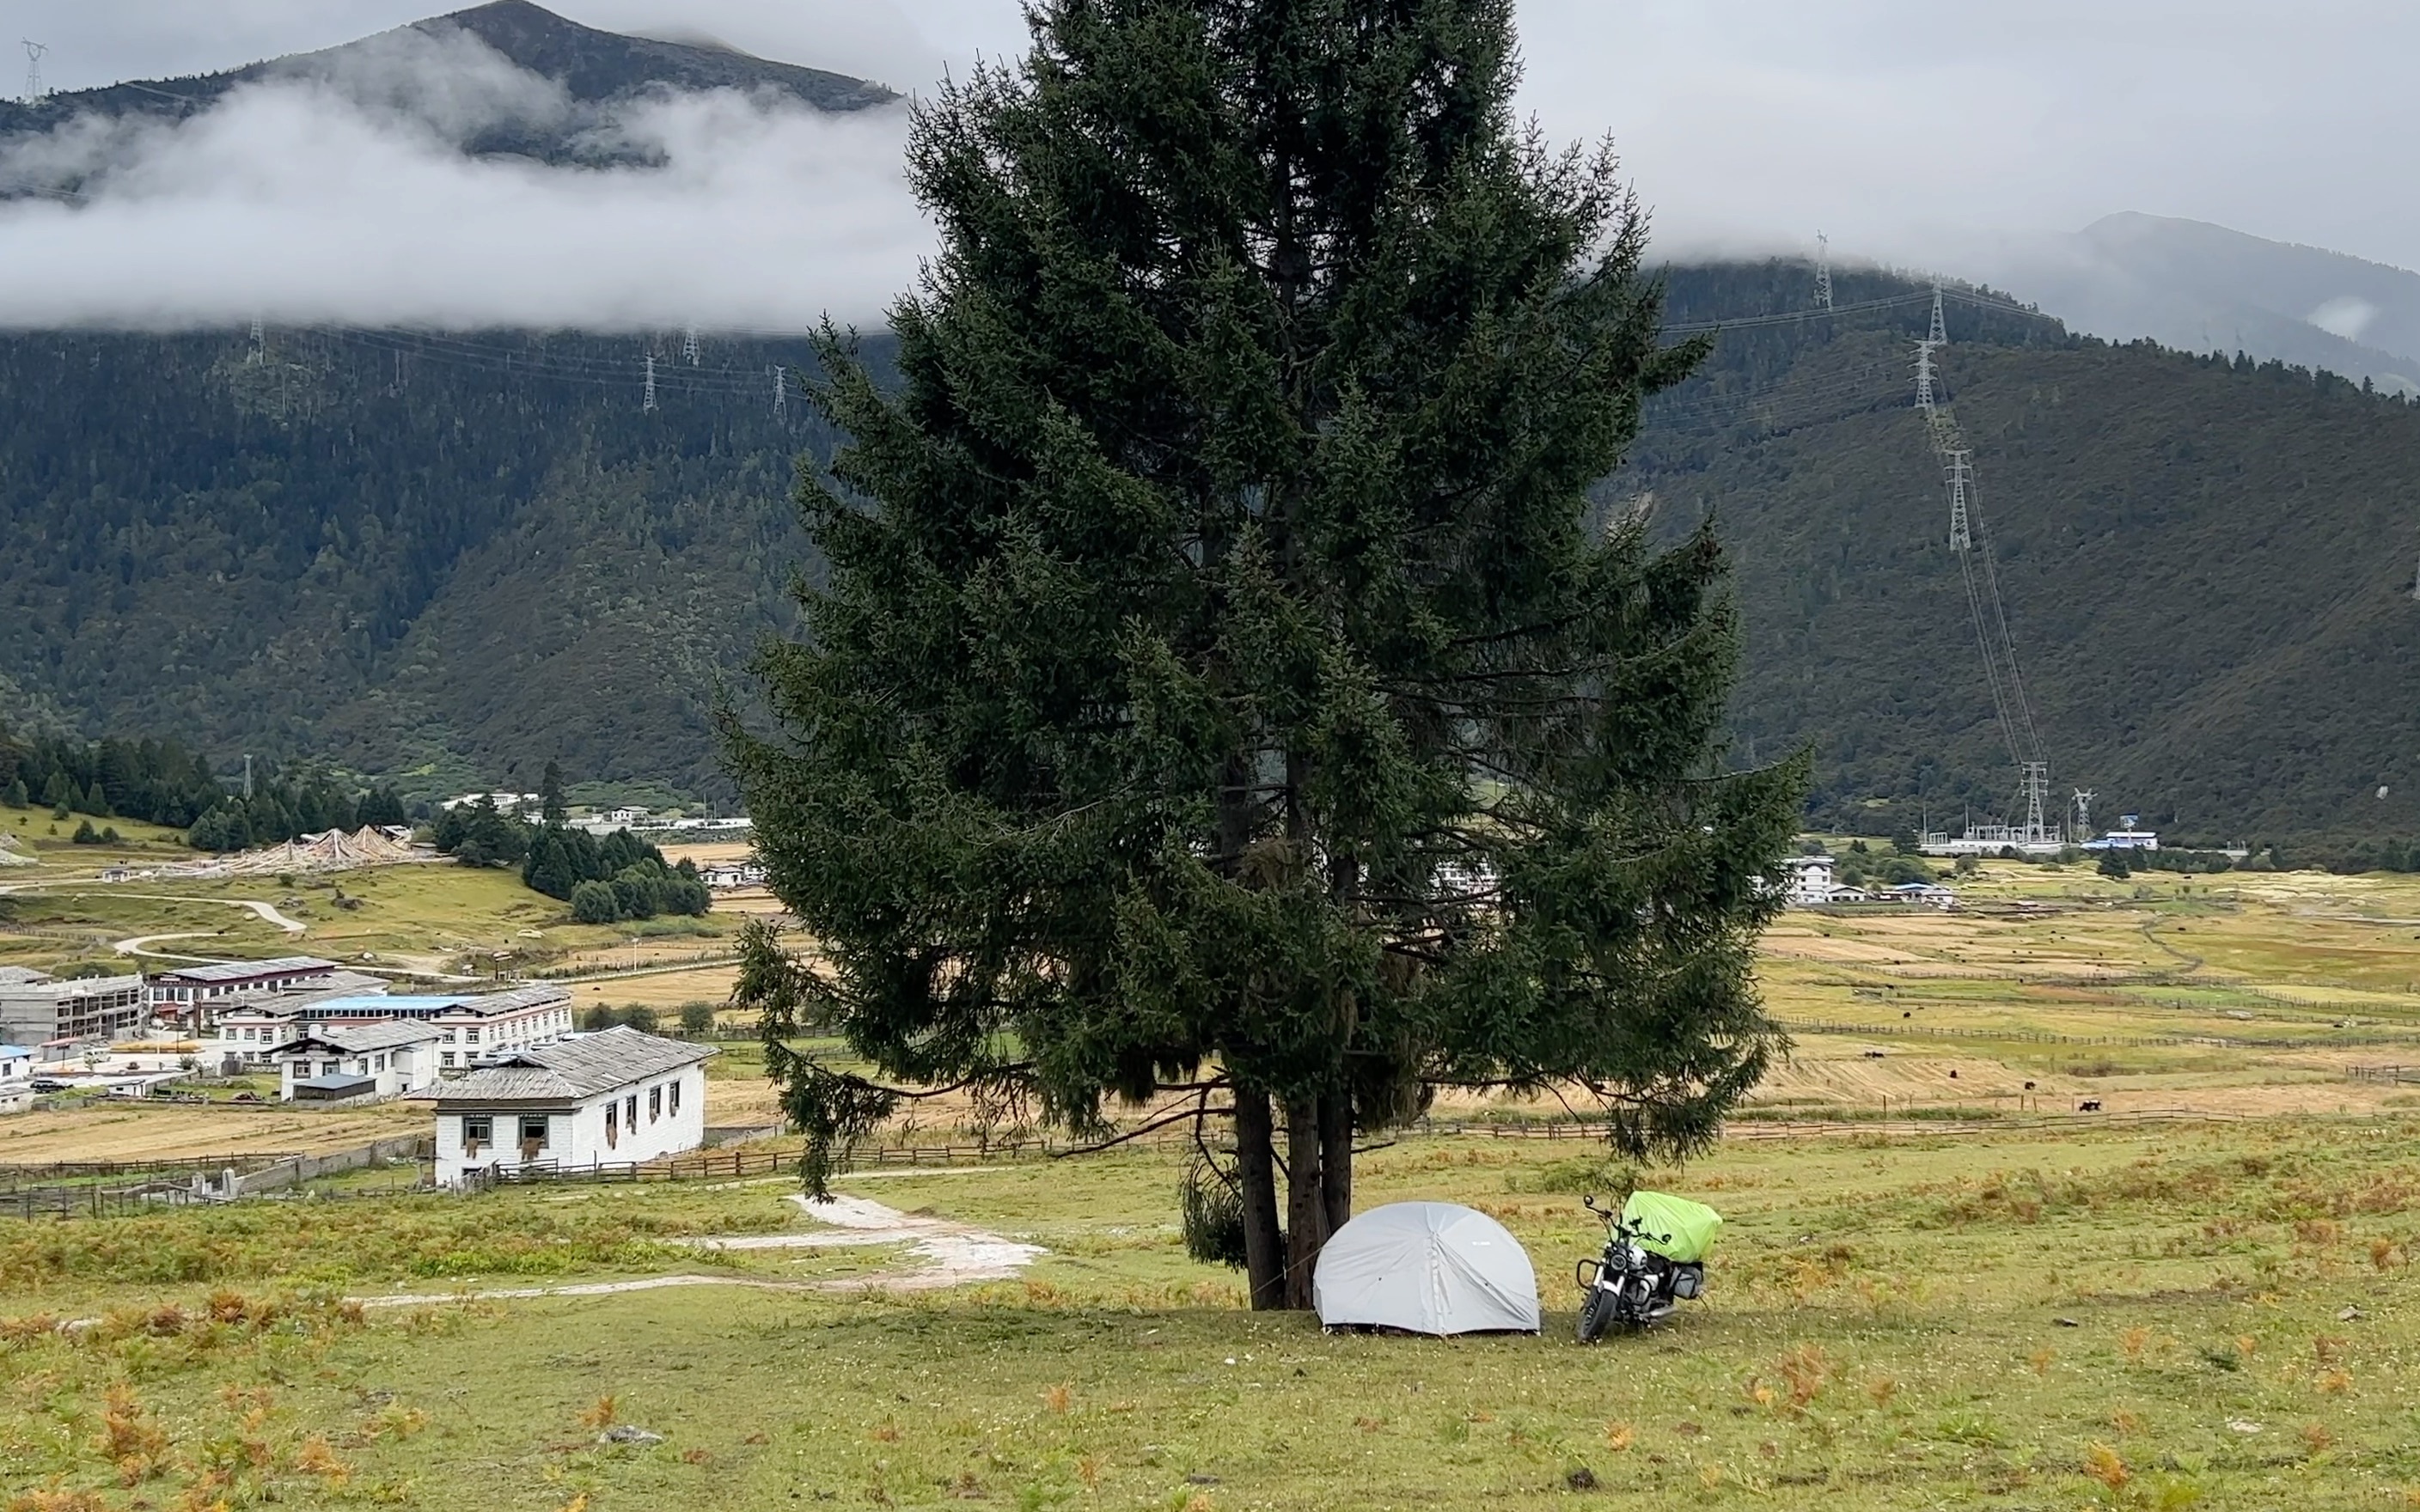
(470, 1026)
(1807, 881)
(395, 1058)
(614, 1098)
(1931, 894)
(16, 1073)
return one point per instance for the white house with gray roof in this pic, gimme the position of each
(332, 1062)
(614, 1098)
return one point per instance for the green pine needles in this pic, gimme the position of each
(1225, 699)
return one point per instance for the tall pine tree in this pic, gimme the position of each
(1225, 697)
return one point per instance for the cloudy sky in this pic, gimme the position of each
(1914, 133)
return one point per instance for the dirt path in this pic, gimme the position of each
(141, 944)
(954, 1254)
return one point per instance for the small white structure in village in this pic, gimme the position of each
(1807, 881)
(614, 1098)
(16, 1086)
(723, 876)
(328, 1063)
(1930, 894)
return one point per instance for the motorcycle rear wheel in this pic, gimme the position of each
(1596, 1314)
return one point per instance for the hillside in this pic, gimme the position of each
(456, 557)
(2208, 569)
(448, 560)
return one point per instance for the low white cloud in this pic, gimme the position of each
(2346, 316)
(347, 199)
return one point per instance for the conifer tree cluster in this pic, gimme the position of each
(618, 877)
(1225, 702)
(157, 781)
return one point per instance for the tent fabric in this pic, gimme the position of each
(1425, 1268)
(1675, 1227)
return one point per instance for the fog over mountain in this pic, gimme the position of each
(2201, 288)
(500, 166)
(1917, 137)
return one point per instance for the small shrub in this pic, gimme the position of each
(2102, 1464)
(599, 1415)
(1058, 1399)
(1213, 1213)
(1806, 1369)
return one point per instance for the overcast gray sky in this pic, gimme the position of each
(1915, 133)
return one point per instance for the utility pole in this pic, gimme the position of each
(781, 393)
(2037, 798)
(247, 775)
(1960, 474)
(260, 344)
(1939, 335)
(34, 52)
(648, 404)
(1924, 376)
(1823, 271)
(689, 345)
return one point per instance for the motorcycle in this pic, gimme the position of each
(1653, 1260)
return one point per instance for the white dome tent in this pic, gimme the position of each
(1426, 1267)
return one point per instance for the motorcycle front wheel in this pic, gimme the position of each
(1596, 1314)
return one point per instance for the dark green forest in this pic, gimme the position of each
(444, 560)
(2208, 566)
(440, 560)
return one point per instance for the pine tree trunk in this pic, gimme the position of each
(1336, 1156)
(1256, 1173)
(1306, 1201)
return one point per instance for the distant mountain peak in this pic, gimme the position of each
(584, 73)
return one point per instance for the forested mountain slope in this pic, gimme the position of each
(460, 555)
(448, 559)
(2208, 566)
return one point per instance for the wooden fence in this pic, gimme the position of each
(93, 1201)
(2395, 1075)
(66, 1170)
(1922, 1031)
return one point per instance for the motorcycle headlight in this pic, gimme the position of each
(1636, 1255)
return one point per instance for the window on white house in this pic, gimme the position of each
(445, 1057)
(613, 1112)
(676, 1100)
(630, 1112)
(382, 1062)
(478, 1131)
(655, 1103)
(533, 1134)
(470, 1035)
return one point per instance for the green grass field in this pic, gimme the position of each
(2132, 1320)
(2037, 1312)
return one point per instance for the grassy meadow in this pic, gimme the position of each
(1941, 1284)
(2215, 1316)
